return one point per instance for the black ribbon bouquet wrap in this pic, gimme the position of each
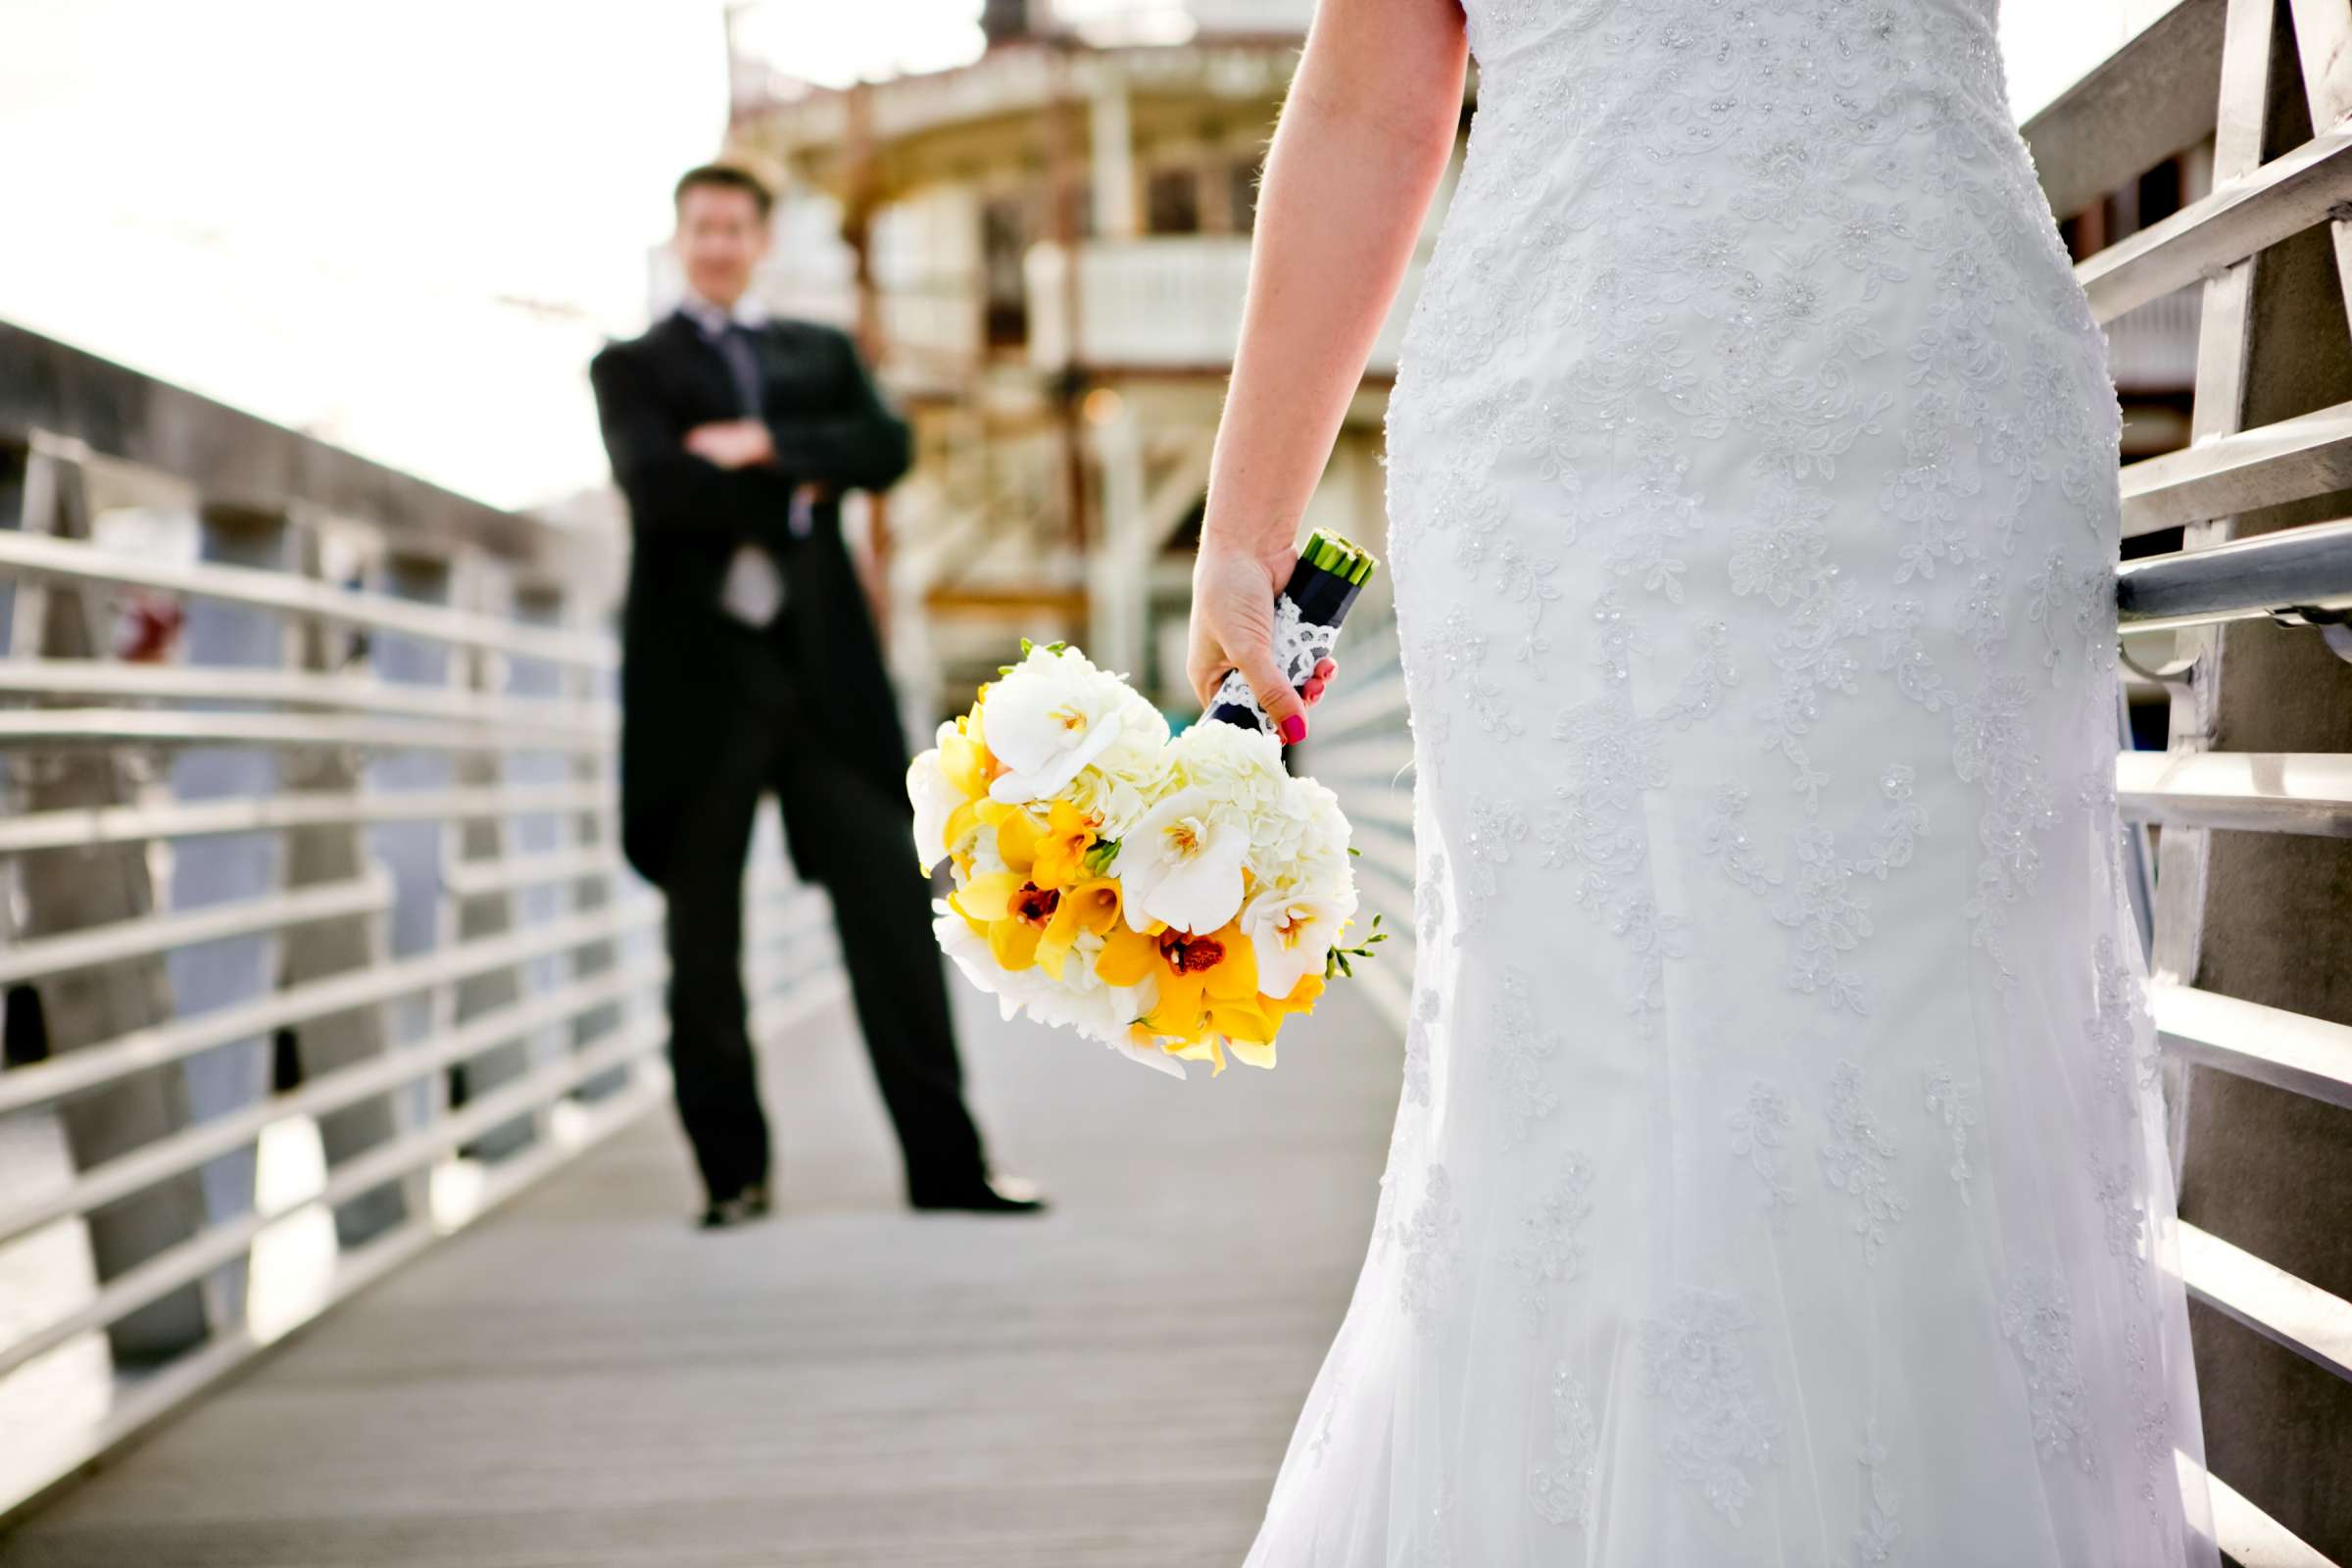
(1308, 613)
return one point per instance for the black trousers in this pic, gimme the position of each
(882, 909)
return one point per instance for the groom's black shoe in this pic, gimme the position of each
(726, 1213)
(989, 1195)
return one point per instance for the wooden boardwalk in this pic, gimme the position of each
(582, 1380)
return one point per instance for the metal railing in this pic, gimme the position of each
(2123, 118)
(315, 941)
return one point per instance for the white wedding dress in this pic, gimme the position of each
(1779, 1174)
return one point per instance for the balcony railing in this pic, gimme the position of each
(1163, 303)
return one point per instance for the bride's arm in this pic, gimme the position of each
(1363, 143)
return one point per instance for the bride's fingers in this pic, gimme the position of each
(1284, 707)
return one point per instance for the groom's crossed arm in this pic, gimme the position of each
(670, 488)
(859, 442)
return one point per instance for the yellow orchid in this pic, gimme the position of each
(1015, 914)
(988, 896)
(1206, 984)
(1091, 905)
(965, 759)
(1018, 834)
(1060, 855)
(1127, 955)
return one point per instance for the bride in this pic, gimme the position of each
(1779, 1173)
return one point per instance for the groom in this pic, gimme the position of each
(749, 665)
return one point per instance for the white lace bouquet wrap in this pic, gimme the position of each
(1330, 573)
(1176, 900)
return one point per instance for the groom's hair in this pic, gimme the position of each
(726, 177)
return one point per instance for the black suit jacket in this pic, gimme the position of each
(687, 517)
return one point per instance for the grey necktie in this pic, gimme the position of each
(742, 363)
(753, 590)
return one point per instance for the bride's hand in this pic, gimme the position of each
(1233, 628)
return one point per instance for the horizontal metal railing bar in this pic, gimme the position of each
(2285, 1049)
(28, 555)
(186, 1260)
(150, 934)
(104, 678)
(1387, 984)
(2294, 568)
(2289, 1311)
(1361, 700)
(1393, 905)
(2252, 1538)
(94, 1066)
(99, 1184)
(2280, 199)
(2310, 455)
(77, 827)
(1374, 759)
(118, 726)
(2266, 791)
(1378, 802)
(475, 879)
(1384, 851)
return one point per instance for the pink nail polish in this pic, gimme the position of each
(1294, 729)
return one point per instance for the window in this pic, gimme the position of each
(1003, 242)
(1173, 202)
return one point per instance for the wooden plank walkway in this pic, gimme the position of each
(582, 1379)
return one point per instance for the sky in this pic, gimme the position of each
(404, 227)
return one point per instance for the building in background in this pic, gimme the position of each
(1046, 251)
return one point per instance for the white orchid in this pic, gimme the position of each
(1292, 933)
(1049, 718)
(935, 800)
(1182, 863)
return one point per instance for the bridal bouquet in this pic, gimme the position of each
(1174, 899)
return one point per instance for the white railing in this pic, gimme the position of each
(315, 940)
